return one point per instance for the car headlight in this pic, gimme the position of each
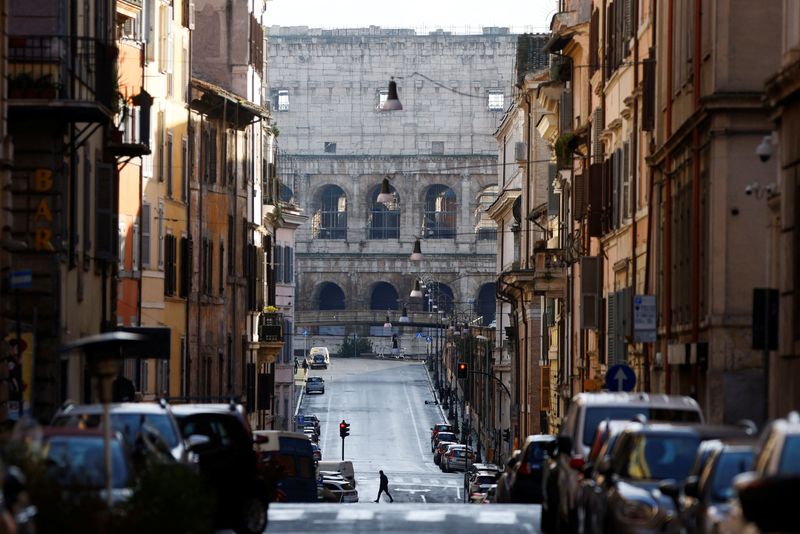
(639, 511)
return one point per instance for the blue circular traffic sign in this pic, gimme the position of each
(620, 378)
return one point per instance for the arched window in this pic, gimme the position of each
(486, 304)
(384, 297)
(438, 297)
(384, 218)
(331, 297)
(439, 220)
(330, 219)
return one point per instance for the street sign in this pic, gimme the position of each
(645, 317)
(21, 279)
(301, 420)
(620, 378)
(429, 339)
(420, 335)
(305, 331)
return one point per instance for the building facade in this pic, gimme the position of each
(337, 145)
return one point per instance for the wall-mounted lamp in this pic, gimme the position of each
(404, 318)
(416, 293)
(387, 325)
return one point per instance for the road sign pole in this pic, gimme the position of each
(343, 449)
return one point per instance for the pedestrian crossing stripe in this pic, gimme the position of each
(355, 514)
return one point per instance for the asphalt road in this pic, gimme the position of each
(384, 402)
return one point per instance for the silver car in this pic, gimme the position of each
(315, 384)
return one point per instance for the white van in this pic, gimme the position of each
(344, 468)
(320, 357)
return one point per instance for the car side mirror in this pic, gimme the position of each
(691, 487)
(197, 442)
(564, 444)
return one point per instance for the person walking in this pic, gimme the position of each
(384, 488)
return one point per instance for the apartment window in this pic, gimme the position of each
(439, 217)
(170, 53)
(496, 100)
(437, 147)
(170, 265)
(161, 144)
(330, 147)
(146, 225)
(231, 247)
(208, 154)
(184, 168)
(384, 218)
(330, 220)
(160, 234)
(288, 264)
(277, 264)
(169, 161)
(221, 267)
(185, 267)
(207, 261)
(164, 17)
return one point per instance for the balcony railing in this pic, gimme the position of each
(270, 327)
(76, 72)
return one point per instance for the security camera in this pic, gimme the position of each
(748, 190)
(764, 149)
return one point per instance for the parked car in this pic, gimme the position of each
(707, 497)
(503, 494)
(480, 481)
(525, 484)
(457, 458)
(320, 357)
(435, 429)
(337, 490)
(585, 412)
(766, 497)
(311, 419)
(315, 384)
(343, 467)
(317, 452)
(151, 424)
(639, 481)
(441, 447)
(479, 467)
(444, 436)
(74, 457)
(229, 462)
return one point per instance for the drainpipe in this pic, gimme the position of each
(697, 85)
(667, 188)
(635, 159)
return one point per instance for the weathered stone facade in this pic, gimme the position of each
(326, 88)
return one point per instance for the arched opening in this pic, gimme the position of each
(384, 218)
(441, 208)
(486, 303)
(439, 297)
(384, 297)
(286, 194)
(330, 219)
(331, 297)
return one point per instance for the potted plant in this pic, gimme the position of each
(564, 147)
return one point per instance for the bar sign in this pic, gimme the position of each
(21, 279)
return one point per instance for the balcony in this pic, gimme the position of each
(270, 336)
(60, 77)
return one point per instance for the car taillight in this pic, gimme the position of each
(524, 469)
(576, 462)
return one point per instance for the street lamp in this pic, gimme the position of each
(416, 255)
(385, 196)
(392, 102)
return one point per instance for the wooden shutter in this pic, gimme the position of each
(579, 195)
(105, 213)
(649, 96)
(611, 329)
(595, 200)
(544, 404)
(185, 262)
(591, 288)
(552, 197)
(287, 265)
(565, 112)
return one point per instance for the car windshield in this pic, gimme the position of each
(447, 436)
(485, 479)
(790, 457)
(621, 413)
(315, 379)
(536, 452)
(79, 460)
(658, 456)
(129, 424)
(729, 465)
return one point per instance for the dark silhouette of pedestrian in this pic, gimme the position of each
(384, 488)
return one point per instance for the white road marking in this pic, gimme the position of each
(497, 517)
(327, 423)
(423, 499)
(428, 516)
(414, 422)
(354, 514)
(285, 515)
(416, 480)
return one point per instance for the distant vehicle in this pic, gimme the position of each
(457, 458)
(443, 436)
(525, 483)
(481, 482)
(503, 493)
(293, 452)
(339, 491)
(344, 468)
(315, 384)
(317, 452)
(320, 357)
(441, 447)
(435, 429)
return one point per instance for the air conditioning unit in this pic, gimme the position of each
(520, 151)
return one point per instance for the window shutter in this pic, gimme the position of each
(611, 329)
(552, 197)
(565, 112)
(287, 265)
(135, 248)
(616, 174)
(590, 292)
(597, 129)
(545, 393)
(649, 102)
(105, 213)
(221, 267)
(277, 264)
(595, 200)
(160, 235)
(594, 42)
(579, 195)
(185, 262)
(626, 180)
(146, 222)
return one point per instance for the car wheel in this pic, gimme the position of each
(253, 516)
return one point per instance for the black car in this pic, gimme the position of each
(228, 461)
(525, 481)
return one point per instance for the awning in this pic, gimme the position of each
(557, 42)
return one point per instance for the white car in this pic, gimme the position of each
(340, 489)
